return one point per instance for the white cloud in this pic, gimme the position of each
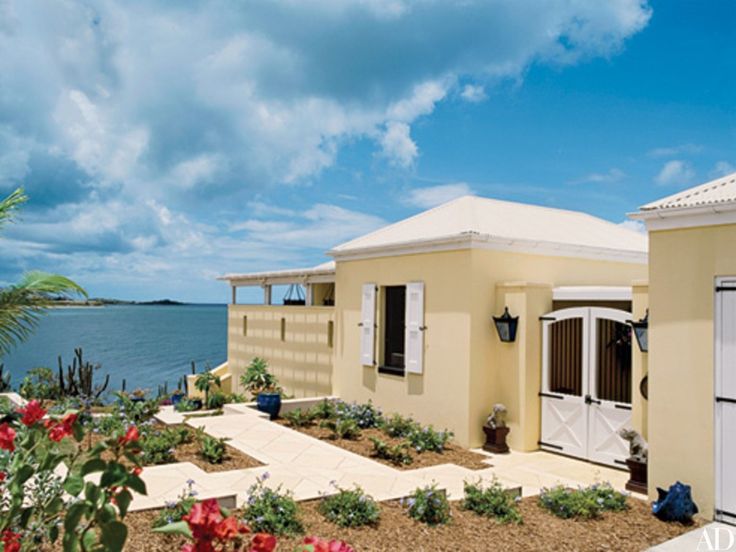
(608, 177)
(432, 196)
(675, 172)
(722, 168)
(397, 145)
(473, 93)
(635, 225)
(671, 151)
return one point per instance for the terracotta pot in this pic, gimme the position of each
(638, 476)
(496, 439)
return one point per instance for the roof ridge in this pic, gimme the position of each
(693, 192)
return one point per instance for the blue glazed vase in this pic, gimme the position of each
(269, 403)
(176, 398)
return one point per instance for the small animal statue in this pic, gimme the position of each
(497, 417)
(638, 449)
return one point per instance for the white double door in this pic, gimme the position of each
(725, 399)
(586, 383)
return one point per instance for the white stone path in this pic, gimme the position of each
(307, 466)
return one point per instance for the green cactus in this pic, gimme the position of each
(79, 379)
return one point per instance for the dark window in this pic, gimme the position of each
(394, 325)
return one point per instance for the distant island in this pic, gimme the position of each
(103, 301)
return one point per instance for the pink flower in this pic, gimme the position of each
(59, 430)
(263, 542)
(7, 437)
(32, 413)
(320, 545)
(130, 436)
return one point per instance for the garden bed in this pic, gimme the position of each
(632, 530)
(453, 454)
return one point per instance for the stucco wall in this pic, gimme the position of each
(302, 360)
(683, 266)
(640, 362)
(466, 368)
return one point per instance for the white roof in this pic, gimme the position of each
(718, 191)
(324, 272)
(472, 221)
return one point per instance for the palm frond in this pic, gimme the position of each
(10, 205)
(22, 304)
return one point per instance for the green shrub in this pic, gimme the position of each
(364, 415)
(41, 384)
(494, 501)
(396, 454)
(428, 439)
(428, 505)
(271, 510)
(187, 405)
(235, 398)
(159, 446)
(350, 508)
(585, 502)
(212, 449)
(299, 417)
(216, 400)
(324, 410)
(174, 511)
(136, 412)
(342, 428)
(257, 378)
(398, 426)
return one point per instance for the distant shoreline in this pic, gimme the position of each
(61, 304)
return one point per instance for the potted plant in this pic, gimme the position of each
(139, 395)
(496, 430)
(637, 460)
(263, 386)
(204, 382)
(176, 396)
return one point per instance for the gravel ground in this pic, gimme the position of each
(633, 530)
(453, 454)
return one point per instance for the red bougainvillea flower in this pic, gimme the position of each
(137, 470)
(263, 542)
(203, 518)
(59, 430)
(7, 437)
(3, 475)
(320, 545)
(11, 541)
(32, 413)
(130, 436)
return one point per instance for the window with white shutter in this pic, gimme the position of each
(414, 344)
(368, 325)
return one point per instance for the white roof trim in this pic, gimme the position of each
(473, 240)
(324, 273)
(687, 217)
(592, 293)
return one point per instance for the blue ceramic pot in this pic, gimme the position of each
(176, 398)
(269, 403)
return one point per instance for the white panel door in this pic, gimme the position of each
(605, 415)
(368, 325)
(725, 401)
(414, 333)
(564, 412)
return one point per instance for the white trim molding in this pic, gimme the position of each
(592, 293)
(687, 217)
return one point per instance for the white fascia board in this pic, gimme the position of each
(687, 217)
(477, 241)
(592, 293)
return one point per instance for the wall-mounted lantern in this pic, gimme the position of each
(506, 326)
(641, 331)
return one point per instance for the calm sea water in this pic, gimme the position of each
(146, 345)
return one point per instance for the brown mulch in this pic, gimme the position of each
(453, 454)
(633, 530)
(189, 452)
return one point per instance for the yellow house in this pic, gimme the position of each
(403, 317)
(692, 343)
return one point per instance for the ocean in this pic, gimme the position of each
(145, 344)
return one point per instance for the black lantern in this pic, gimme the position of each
(506, 326)
(641, 331)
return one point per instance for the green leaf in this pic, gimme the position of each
(70, 542)
(92, 492)
(107, 514)
(54, 533)
(74, 485)
(23, 474)
(123, 499)
(114, 474)
(177, 528)
(73, 516)
(136, 483)
(89, 539)
(78, 432)
(93, 465)
(113, 536)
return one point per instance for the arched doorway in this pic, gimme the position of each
(586, 383)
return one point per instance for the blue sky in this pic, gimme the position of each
(163, 143)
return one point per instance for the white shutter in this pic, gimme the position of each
(368, 325)
(414, 337)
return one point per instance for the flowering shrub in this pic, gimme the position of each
(315, 544)
(364, 415)
(396, 454)
(350, 508)
(494, 501)
(398, 426)
(584, 502)
(38, 504)
(270, 510)
(428, 505)
(176, 510)
(324, 410)
(40, 383)
(428, 439)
